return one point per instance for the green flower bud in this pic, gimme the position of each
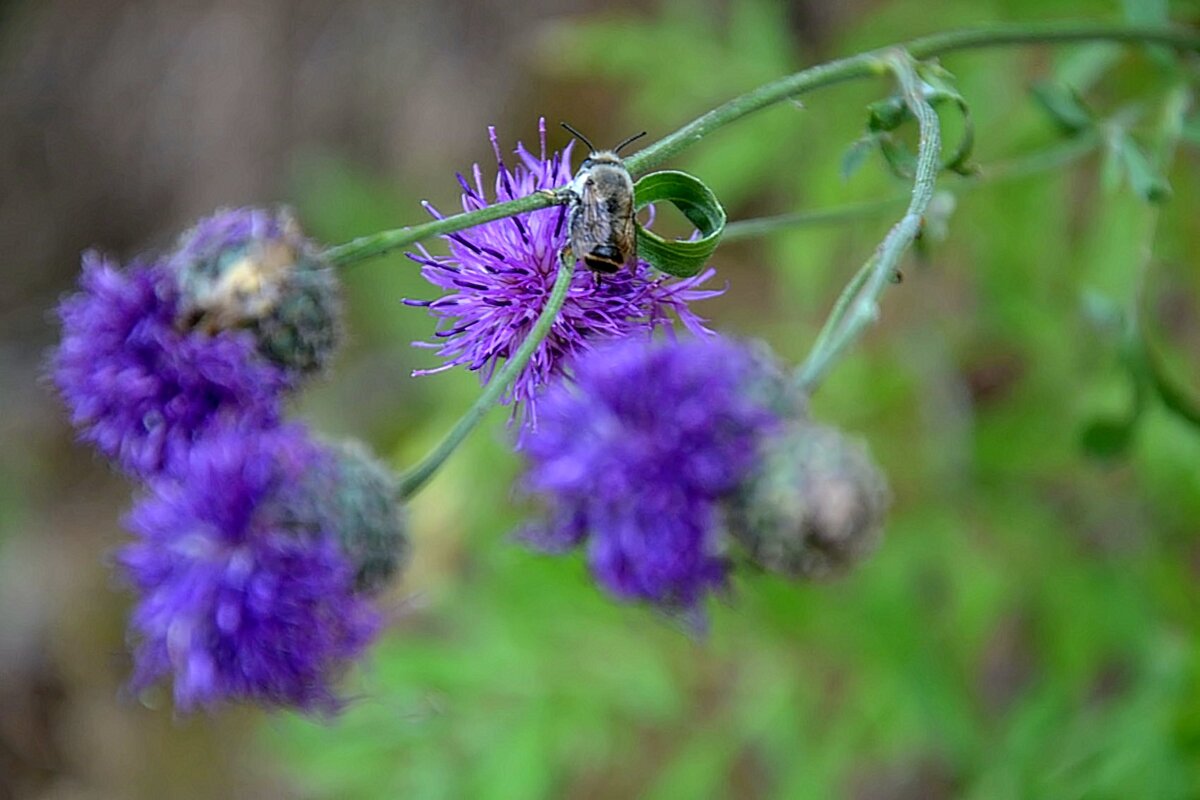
(355, 496)
(815, 507)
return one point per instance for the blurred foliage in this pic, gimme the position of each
(1029, 627)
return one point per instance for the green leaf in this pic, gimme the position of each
(1174, 397)
(886, 116)
(1191, 130)
(1064, 106)
(856, 154)
(1107, 438)
(1102, 312)
(698, 203)
(1082, 67)
(1145, 179)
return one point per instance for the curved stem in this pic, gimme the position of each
(840, 331)
(867, 64)
(1014, 168)
(412, 480)
(859, 66)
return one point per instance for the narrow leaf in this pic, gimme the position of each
(1064, 106)
(1144, 178)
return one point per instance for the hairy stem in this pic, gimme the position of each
(851, 317)
(412, 480)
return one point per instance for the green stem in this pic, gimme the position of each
(415, 478)
(838, 334)
(1015, 168)
(842, 306)
(376, 244)
(859, 66)
(752, 228)
(868, 64)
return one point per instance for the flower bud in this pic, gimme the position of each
(361, 504)
(815, 506)
(253, 268)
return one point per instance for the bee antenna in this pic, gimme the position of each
(630, 140)
(579, 136)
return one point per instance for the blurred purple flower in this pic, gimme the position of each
(139, 389)
(498, 278)
(227, 229)
(633, 458)
(244, 593)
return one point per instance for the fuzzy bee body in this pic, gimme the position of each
(601, 229)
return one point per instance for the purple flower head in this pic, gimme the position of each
(244, 593)
(252, 268)
(139, 389)
(634, 457)
(498, 277)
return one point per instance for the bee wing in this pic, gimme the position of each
(625, 232)
(595, 223)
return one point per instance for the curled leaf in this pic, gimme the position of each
(698, 203)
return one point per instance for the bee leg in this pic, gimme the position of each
(560, 197)
(599, 278)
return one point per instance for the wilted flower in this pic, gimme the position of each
(499, 275)
(815, 506)
(138, 388)
(633, 458)
(252, 268)
(244, 590)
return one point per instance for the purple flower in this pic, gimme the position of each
(633, 458)
(498, 278)
(244, 593)
(139, 389)
(215, 236)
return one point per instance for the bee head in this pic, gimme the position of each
(601, 156)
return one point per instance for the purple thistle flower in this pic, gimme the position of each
(139, 389)
(634, 457)
(498, 278)
(244, 591)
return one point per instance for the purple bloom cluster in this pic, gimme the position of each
(635, 456)
(138, 388)
(242, 597)
(498, 277)
(249, 536)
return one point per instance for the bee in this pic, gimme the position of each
(600, 219)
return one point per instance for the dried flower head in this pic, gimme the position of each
(633, 458)
(252, 268)
(815, 507)
(138, 388)
(498, 277)
(244, 590)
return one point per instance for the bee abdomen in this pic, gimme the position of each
(604, 258)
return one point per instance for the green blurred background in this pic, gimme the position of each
(1028, 628)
